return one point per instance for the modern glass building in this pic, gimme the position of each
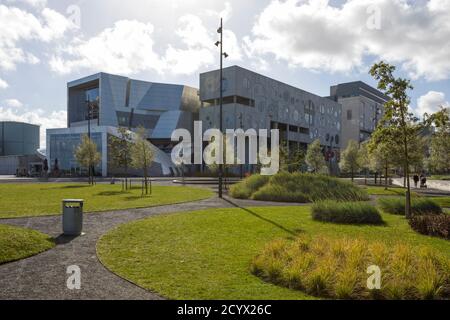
(63, 146)
(105, 102)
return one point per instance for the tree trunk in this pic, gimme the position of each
(404, 178)
(405, 145)
(386, 177)
(146, 180)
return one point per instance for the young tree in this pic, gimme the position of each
(87, 156)
(396, 113)
(417, 149)
(291, 159)
(142, 155)
(364, 160)
(349, 159)
(119, 149)
(315, 158)
(381, 159)
(440, 142)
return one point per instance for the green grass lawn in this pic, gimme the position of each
(442, 201)
(207, 254)
(381, 191)
(440, 177)
(18, 243)
(20, 200)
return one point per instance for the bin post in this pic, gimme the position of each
(72, 211)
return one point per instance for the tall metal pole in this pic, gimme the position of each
(221, 106)
(89, 131)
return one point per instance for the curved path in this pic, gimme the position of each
(44, 276)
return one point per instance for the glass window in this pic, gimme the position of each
(349, 114)
(246, 83)
(62, 149)
(309, 112)
(93, 101)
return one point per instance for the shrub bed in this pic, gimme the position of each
(245, 188)
(419, 206)
(297, 187)
(432, 225)
(338, 268)
(346, 212)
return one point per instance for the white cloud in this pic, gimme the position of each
(430, 103)
(128, 48)
(315, 35)
(3, 84)
(195, 37)
(55, 119)
(225, 14)
(125, 48)
(13, 103)
(33, 3)
(18, 26)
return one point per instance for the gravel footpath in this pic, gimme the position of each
(44, 276)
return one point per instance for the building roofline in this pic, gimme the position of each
(97, 76)
(363, 85)
(272, 79)
(20, 122)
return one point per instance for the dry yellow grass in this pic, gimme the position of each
(337, 268)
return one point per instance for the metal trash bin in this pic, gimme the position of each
(72, 216)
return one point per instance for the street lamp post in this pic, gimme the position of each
(88, 105)
(90, 114)
(330, 154)
(222, 54)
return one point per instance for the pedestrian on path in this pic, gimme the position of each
(416, 180)
(423, 181)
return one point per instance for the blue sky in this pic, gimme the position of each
(309, 44)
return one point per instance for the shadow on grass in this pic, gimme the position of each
(279, 226)
(355, 224)
(133, 198)
(69, 187)
(112, 193)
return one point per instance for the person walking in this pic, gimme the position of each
(423, 181)
(416, 180)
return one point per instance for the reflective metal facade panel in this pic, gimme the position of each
(17, 138)
(157, 107)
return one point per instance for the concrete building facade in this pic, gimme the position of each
(252, 100)
(362, 109)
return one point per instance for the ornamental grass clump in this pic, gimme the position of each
(338, 268)
(419, 206)
(297, 187)
(346, 212)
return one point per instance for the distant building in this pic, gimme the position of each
(18, 138)
(252, 100)
(116, 101)
(362, 109)
(19, 143)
